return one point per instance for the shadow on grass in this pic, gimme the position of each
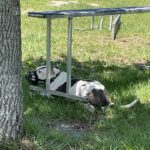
(113, 76)
(116, 78)
(128, 126)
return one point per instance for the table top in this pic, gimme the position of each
(89, 12)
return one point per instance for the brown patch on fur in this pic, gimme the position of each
(98, 97)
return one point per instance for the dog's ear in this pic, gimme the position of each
(98, 97)
(103, 97)
(55, 71)
(90, 97)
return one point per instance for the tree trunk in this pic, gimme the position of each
(10, 70)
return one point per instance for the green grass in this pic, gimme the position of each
(95, 56)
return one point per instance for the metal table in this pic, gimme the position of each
(70, 14)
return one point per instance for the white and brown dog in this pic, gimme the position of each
(93, 91)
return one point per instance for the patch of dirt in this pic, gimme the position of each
(124, 41)
(93, 4)
(61, 3)
(140, 62)
(75, 128)
(133, 40)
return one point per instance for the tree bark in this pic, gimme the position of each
(10, 70)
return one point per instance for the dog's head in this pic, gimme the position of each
(39, 74)
(99, 97)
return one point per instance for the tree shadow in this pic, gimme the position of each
(114, 77)
(128, 124)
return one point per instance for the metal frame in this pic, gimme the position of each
(89, 12)
(101, 22)
(48, 91)
(93, 26)
(115, 25)
(69, 55)
(48, 54)
(70, 14)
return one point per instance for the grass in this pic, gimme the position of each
(95, 56)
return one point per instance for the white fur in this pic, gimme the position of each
(82, 88)
(56, 71)
(41, 72)
(76, 88)
(61, 79)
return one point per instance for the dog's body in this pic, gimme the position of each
(93, 91)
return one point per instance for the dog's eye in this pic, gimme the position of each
(39, 71)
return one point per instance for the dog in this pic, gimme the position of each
(92, 91)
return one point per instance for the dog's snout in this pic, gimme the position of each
(31, 77)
